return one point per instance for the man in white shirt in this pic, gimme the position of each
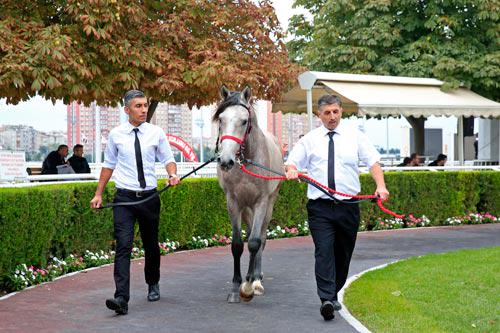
(131, 151)
(330, 154)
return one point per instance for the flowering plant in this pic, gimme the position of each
(168, 246)
(94, 259)
(472, 218)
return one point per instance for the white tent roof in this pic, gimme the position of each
(387, 95)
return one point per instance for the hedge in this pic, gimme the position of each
(55, 220)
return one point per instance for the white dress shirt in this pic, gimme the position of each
(120, 154)
(351, 146)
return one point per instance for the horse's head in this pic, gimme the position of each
(234, 117)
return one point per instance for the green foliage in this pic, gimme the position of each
(455, 41)
(175, 51)
(37, 223)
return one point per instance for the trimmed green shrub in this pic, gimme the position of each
(56, 220)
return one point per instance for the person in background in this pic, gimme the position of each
(406, 162)
(439, 161)
(53, 159)
(414, 160)
(77, 161)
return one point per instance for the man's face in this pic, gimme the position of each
(137, 110)
(63, 152)
(78, 151)
(441, 163)
(330, 115)
(415, 161)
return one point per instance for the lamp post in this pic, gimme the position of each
(199, 122)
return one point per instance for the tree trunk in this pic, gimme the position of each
(151, 109)
(418, 125)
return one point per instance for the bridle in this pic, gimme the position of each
(241, 142)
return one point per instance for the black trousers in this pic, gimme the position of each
(148, 216)
(333, 228)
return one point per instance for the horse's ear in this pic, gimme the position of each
(224, 92)
(247, 93)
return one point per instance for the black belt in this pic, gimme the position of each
(337, 201)
(137, 194)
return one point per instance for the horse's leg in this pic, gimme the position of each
(257, 284)
(236, 250)
(254, 244)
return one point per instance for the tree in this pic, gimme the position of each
(456, 41)
(175, 51)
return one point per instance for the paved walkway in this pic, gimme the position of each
(194, 286)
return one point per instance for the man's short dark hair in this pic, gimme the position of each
(77, 146)
(130, 95)
(413, 155)
(61, 147)
(442, 157)
(329, 99)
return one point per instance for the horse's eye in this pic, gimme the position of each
(244, 122)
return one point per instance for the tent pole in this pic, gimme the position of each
(97, 132)
(309, 108)
(460, 140)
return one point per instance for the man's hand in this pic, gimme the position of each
(291, 172)
(173, 180)
(96, 202)
(382, 193)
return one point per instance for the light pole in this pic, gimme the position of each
(199, 122)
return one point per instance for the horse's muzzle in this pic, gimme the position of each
(225, 164)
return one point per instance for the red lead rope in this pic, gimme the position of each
(370, 196)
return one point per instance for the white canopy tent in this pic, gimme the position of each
(376, 95)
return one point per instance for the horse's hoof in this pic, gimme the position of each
(246, 292)
(233, 298)
(258, 288)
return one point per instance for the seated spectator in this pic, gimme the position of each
(406, 162)
(440, 161)
(55, 158)
(414, 160)
(77, 161)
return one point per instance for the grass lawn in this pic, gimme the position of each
(452, 292)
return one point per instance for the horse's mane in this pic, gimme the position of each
(234, 98)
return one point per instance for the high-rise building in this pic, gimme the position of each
(18, 137)
(174, 119)
(81, 125)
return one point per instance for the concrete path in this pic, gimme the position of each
(194, 286)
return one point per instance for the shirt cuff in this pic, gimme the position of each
(108, 165)
(170, 160)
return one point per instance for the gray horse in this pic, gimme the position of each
(249, 199)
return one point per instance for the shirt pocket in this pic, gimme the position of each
(347, 152)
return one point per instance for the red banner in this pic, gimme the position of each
(186, 150)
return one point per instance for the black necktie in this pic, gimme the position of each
(331, 162)
(138, 160)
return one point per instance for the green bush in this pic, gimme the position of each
(55, 220)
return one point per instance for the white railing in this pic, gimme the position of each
(209, 171)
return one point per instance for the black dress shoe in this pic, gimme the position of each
(118, 304)
(336, 305)
(326, 310)
(154, 292)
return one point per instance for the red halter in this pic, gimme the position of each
(238, 140)
(241, 142)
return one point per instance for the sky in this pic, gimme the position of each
(45, 116)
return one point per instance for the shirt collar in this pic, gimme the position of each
(337, 130)
(129, 127)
